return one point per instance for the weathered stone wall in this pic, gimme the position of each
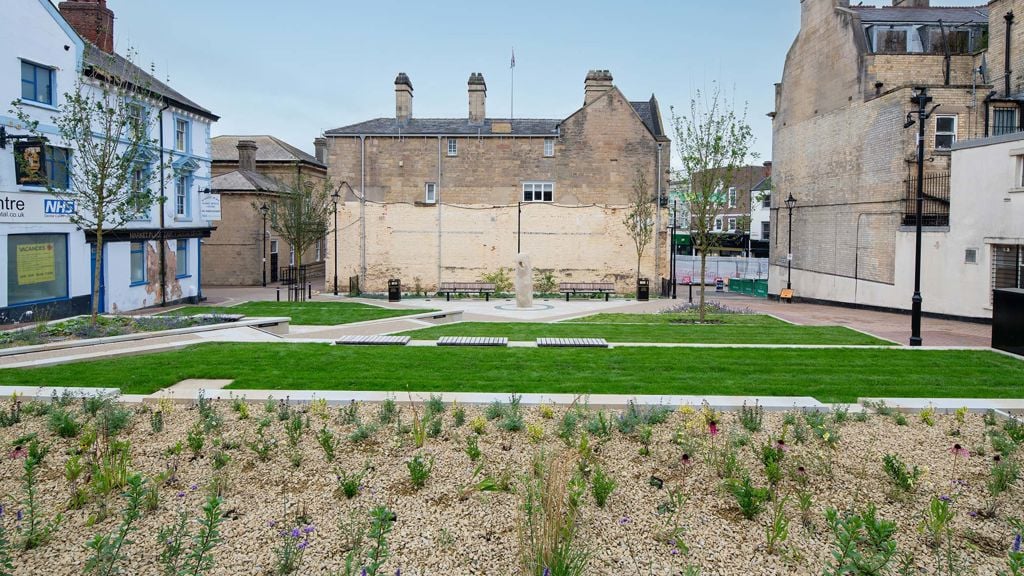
(996, 58)
(579, 243)
(896, 70)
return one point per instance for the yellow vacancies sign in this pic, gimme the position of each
(36, 263)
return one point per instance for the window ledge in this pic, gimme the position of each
(40, 105)
(182, 218)
(182, 276)
(133, 284)
(43, 189)
(424, 204)
(1015, 190)
(942, 152)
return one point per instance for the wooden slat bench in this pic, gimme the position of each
(373, 340)
(569, 288)
(472, 341)
(449, 288)
(572, 343)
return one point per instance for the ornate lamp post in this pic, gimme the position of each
(921, 99)
(335, 196)
(264, 209)
(790, 204)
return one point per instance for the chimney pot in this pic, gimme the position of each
(247, 155)
(320, 144)
(403, 97)
(92, 20)
(596, 84)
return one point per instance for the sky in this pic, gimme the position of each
(295, 68)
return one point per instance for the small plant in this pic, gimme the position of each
(328, 442)
(6, 559)
(367, 560)
(434, 427)
(1001, 443)
(840, 414)
(241, 407)
(73, 469)
(434, 405)
(864, 544)
(156, 421)
(960, 415)
(388, 411)
(547, 525)
(33, 530)
(478, 425)
(546, 411)
(1002, 475)
(990, 418)
(294, 429)
(318, 408)
(262, 445)
(927, 416)
(472, 448)
(1015, 558)
(63, 423)
(602, 486)
(535, 433)
(512, 421)
(901, 476)
(196, 439)
(419, 470)
(485, 483)
(220, 459)
(350, 483)
(458, 416)
(495, 410)
(751, 418)
(567, 426)
(644, 434)
(295, 458)
(899, 418)
(289, 553)
(107, 548)
(804, 503)
(937, 522)
(184, 553)
(751, 500)
(778, 528)
(362, 433)
(599, 425)
(349, 415)
(269, 405)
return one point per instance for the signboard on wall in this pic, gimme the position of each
(209, 206)
(36, 263)
(34, 208)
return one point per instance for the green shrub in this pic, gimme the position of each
(63, 423)
(750, 499)
(901, 476)
(602, 486)
(419, 470)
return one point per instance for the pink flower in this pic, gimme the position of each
(713, 428)
(958, 450)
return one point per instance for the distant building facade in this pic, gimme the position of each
(250, 171)
(451, 199)
(152, 260)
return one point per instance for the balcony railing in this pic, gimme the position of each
(935, 210)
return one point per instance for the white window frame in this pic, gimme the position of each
(273, 247)
(766, 226)
(430, 193)
(291, 255)
(319, 250)
(971, 255)
(945, 133)
(549, 147)
(181, 264)
(718, 223)
(181, 197)
(181, 137)
(731, 222)
(137, 273)
(766, 200)
(732, 197)
(453, 147)
(538, 187)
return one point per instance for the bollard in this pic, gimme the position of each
(691, 291)
(278, 293)
(309, 291)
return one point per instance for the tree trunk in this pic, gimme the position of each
(638, 257)
(703, 275)
(97, 273)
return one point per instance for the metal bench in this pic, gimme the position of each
(449, 288)
(570, 288)
(572, 343)
(373, 340)
(472, 341)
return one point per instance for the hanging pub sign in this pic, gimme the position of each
(30, 162)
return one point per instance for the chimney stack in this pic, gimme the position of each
(477, 98)
(247, 155)
(910, 3)
(403, 97)
(767, 168)
(321, 149)
(92, 20)
(597, 83)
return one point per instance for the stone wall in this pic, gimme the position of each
(577, 243)
(996, 58)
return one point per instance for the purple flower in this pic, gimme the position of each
(946, 499)
(272, 523)
(547, 571)
(398, 572)
(364, 571)
(624, 520)
(672, 543)
(302, 545)
(194, 487)
(18, 516)
(1, 509)
(181, 494)
(1016, 543)
(675, 551)
(308, 529)
(295, 532)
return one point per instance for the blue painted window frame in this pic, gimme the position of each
(52, 163)
(137, 248)
(28, 66)
(67, 273)
(180, 251)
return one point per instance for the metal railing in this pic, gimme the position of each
(935, 210)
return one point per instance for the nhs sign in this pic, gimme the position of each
(58, 207)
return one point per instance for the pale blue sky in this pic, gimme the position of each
(294, 68)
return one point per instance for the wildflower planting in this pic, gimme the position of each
(279, 487)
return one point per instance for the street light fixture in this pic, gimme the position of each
(921, 99)
(264, 209)
(790, 204)
(335, 196)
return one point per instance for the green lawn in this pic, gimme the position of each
(675, 318)
(835, 375)
(774, 332)
(305, 313)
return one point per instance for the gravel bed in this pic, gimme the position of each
(437, 532)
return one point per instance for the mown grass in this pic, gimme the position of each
(684, 318)
(305, 313)
(833, 375)
(774, 332)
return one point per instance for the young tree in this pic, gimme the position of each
(301, 214)
(639, 220)
(712, 141)
(104, 123)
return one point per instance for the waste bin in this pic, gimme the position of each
(1008, 320)
(643, 289)
(394, 290)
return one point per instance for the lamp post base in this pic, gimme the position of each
(915, 320)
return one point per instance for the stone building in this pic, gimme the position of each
(451, 199)
(843, 148)
(249, 171)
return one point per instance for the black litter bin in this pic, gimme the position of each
(1008, 320)
(643, 289)
(394, 290)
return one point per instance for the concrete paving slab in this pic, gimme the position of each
(949, 404)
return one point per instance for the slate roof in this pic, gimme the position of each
(120, 66)
(948, 14)
(245, 181)
(765, 184)
(268, 149)
(648, 112)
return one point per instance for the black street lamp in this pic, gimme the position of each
(264, 209)
(335, 196)
(790, 204)
(922, 99)
(672, 247)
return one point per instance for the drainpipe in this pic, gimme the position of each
(657, 222)
(439, 266)
(1006, 54)
(163, 198)
(362, 212)
(988, 106)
